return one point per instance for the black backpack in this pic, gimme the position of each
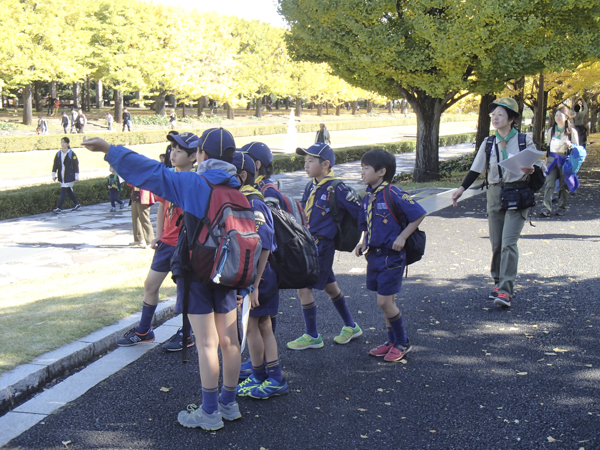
(348, 235)
(296, 259)
(415, 244)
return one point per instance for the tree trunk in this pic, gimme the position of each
(369, 106)
(37, 95)
(230, 111)
(53, 93)
(540, 113)
(338, 110)
(258, 110)
(429, 111)
(159, 105)
(76, 93)
(326, 108)
(593, 116)
(183, 109)
(354, 107)
(287, 103)
(88, 103)
(201, 105)
(139, 96)
(320, 109)
(298, 106)
(520, 98)
(390, 106)
(277, 104)
(27, 112)
(484, 120)
(118, 106)
(99, 95)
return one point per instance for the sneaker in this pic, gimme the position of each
(113, 209)
(397, 353)
(231, 411)
(269, 388)
(132, 337)
(243, 389)
(57, 210)
(382, 350)
(174, 344)
(196, 417)
(347, 334)
(502, 300)
(246, 369)
(306, 341)
(122, 205)
(76, 207)
(494, 293)
(561, 212)
(545, 213)
(136, 243)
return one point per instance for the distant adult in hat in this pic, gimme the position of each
(504, 225)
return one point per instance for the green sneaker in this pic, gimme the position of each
(347, 334)
(306, 341)
(244, 388)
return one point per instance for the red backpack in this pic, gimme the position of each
(225, 246)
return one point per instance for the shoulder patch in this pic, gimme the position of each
(74, 157)
(259, 217)
(407, 198)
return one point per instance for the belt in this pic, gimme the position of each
(382, 251)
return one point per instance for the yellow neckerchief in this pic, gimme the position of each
(250, 190)
(313, 192)
(259, 179)
(372, 200)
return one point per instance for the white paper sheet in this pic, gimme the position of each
(525, 158)
(245, 318)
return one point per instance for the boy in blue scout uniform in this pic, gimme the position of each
(266, 379)
(385, 239)
(212, 308)
(319, 160)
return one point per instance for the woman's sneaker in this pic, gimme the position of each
(306, 341)
(269, 388)
(347, 334)
(196, 417)
(132, 337)
(502, 300)
(244, 388)
(57, 210)
(175, 343)
(397, 352)
(382, 350)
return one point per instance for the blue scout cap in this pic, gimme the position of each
(259, 151)
(243, 161)
(215, 141)
(186, 141)
(320, 150)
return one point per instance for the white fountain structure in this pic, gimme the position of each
(291, 138)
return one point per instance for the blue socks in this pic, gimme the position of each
(274, 370)
(210, 398)
(227, 395)
(342, 308)
(397, 324)
(390, 335)
(146, 320)
(260, 373)
(310, 319)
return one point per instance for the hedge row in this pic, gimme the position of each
(40, 199)
(11, 144)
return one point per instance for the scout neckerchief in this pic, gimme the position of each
(313, 192)
(250, 190)
(259, 179)
(502, 142)
(371, 202)
(559, 132)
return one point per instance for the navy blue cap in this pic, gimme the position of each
(259, 151)
(186, 141)
(320, 150)
(215, 141)
(243, 161)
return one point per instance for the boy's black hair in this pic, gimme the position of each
(173, 132)
(577, 108)
(250, 177)
(380, 159)
(67, 140)
(265, 171)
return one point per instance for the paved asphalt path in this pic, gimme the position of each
(480, 377)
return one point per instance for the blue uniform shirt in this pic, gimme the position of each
(269, 190)
(321, 221)
(385, 230)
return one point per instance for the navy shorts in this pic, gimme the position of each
(384, 272)
(161, 262)
(268, 306)
(206, 298)
(326, 249)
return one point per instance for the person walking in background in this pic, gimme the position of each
(173, 120)
(42, 126)
(56, 105)
(577, 116)
(323, 135)
(114, 187)
(66, 171)
(81, 122)
(64, 121)
(49, 105)
(109, 121)
(143, 233)
(74, 116)
(126, 120)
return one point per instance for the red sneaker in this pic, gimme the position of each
(396, 354)
(382, 350)
(494, 293)
(502, 300)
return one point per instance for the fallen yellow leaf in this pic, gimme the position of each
(66, 443)
(521, 373)
(362, 409)
(364, 436)
(165, 389)
(551, 439)
(559, 350)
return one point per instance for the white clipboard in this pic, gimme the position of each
(245, 318)
(525, 158)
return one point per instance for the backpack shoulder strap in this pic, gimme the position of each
(333, 200)
(522, 141)
(387, 198)
(488, 154)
